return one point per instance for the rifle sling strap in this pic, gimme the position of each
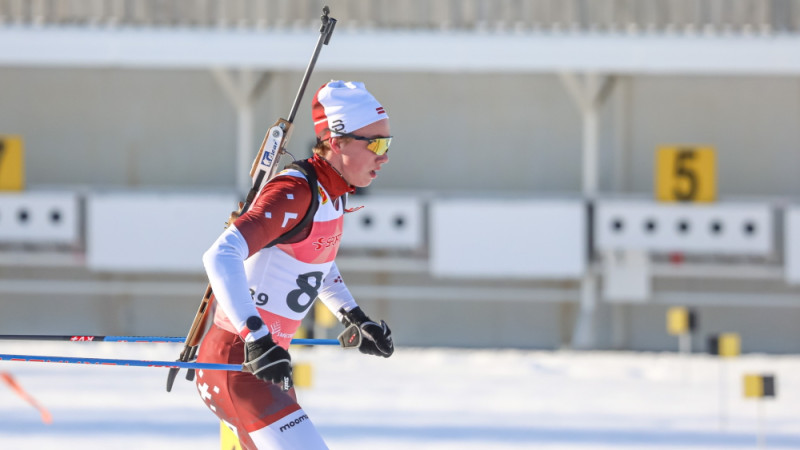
(304, 167)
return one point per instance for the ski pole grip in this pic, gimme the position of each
(350, 337)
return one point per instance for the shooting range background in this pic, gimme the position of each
(487, 115)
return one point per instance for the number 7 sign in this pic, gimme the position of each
(12, 163)
(686, 174)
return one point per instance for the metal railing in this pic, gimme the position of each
(603, 16)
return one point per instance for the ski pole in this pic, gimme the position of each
(122, 362)
(131, 339)
(349, 338)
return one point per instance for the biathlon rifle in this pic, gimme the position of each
(264, 168)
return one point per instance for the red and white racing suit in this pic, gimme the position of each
(280, 284)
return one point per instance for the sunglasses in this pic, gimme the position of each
(379, 146)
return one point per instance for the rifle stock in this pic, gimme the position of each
(263, 169)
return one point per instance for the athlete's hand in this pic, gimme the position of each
(268, 361)
(376, 339)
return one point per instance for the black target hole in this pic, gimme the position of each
(749, 228)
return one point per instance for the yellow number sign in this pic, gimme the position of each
(759, 386)
(686, 174)
(12, 163)
(680, 320)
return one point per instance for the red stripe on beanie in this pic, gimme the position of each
(318, 114)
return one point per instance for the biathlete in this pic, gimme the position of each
(269, 266)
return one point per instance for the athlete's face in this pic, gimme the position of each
(357, 163)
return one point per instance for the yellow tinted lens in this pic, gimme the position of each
(379, 146)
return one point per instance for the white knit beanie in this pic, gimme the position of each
(341, 107)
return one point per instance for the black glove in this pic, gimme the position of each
(268, 361)
(375, 339)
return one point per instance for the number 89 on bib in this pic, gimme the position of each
(686, 174)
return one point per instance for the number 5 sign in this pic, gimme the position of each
(12, 163)
(686, 174)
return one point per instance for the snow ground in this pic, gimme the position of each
(421, 399)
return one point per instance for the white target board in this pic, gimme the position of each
(383, 222)
(491, 238)
(152, 232)
(792, 244)
(40, 218)
(720, 228)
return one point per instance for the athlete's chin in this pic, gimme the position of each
(366, 180)
(364, 183)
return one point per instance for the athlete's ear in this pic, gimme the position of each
(336, 144)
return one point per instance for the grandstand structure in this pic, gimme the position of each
(635, 16)
(520, 207)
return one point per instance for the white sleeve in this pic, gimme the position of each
(334, 293)
(224, 264)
